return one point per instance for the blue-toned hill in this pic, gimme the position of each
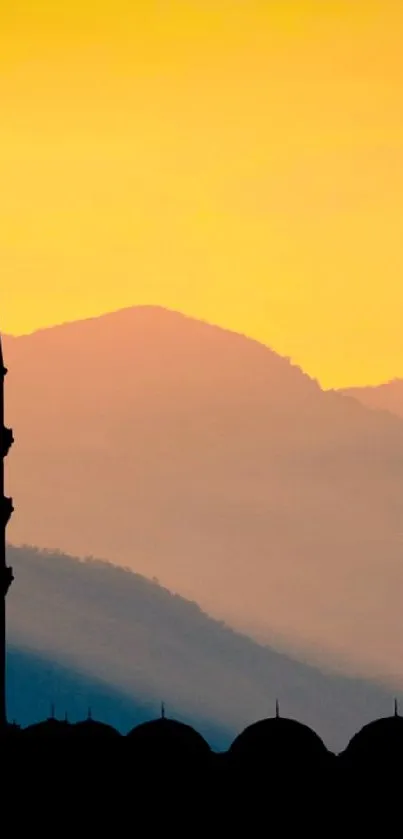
(89, 634)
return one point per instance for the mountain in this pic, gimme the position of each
(90, 634)
(39, 685)
(385, 397)
(200, 457)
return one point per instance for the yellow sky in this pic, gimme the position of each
(238, 160)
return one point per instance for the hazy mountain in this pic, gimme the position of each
(203, 458)
(385, 397)
(89, 634)
(37, 682)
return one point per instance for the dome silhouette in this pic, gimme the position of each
(93, 730)
(378, 742)
(51, 729)
(167, 737)
(280, 740)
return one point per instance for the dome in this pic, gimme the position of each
(50, 729)
(278, 739)
(380, 739)
(168, 737)
(94, 730)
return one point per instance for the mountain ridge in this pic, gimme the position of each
(351, 390)
(203, 458)
(153, 309)
(387, 396)
(89, 634)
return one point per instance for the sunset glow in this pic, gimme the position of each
(237, 160)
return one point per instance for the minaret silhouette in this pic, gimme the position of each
(6, 573)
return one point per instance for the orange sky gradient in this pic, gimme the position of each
(238, 160)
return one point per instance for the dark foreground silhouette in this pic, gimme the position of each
(165, 773)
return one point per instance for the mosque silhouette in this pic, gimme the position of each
(279, 752)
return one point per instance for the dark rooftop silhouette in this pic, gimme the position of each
(278, 740)
(379, 743)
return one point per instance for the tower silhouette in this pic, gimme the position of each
(6, 573)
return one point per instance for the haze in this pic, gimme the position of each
(91, 635)
(200, 457)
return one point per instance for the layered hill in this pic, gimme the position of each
(202, 458)
(89, 634)
(385, 397)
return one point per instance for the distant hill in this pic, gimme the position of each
(89, 634)
(385, 397)
(202, 458)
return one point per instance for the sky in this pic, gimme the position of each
(238, 160)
